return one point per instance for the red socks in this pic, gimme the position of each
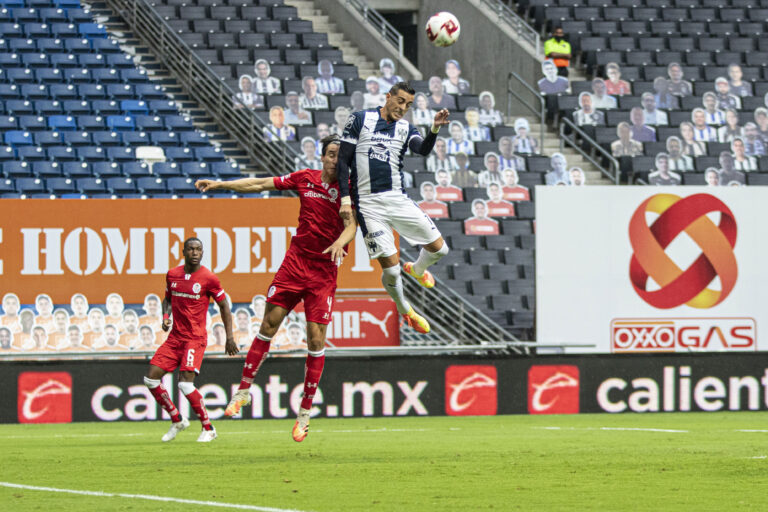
(197, 403)
(164, 399)
(253, 360)
(313, 370)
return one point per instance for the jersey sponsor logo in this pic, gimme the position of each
(185, 295)
(196, 287)
(379, 152)
(471, 390)
(45, 397)
(553, 389)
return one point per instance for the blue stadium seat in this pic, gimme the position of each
(30, 185)
(38, 92)
(61, 153)
(17, 138)
(106, 107)
(153, 92)
(64, 60)
(19, 75)
(62, 122)
(22, 45)
(52, 15)
(9, 91)
(48, 138)
(11, 30)
(209, 154)
(90, 185)
(121, 185)
(179, 154)
(120, 91)
(92, 30)
(92, 91)
(16, 169)
(12, 3)
(161, 106)
(91, 153)
(105, 45)
(32, 123)
(91, 60)
(77, 14)
(134, 107)
(48, 107)
(77, 138)
(106, 76)
(107, 169)
(151, 185)
(77, 107)
(62, 92)
(7, 188)
(164, 138)
(136, 139)
(74, 195)
(22, 15)
(37, 30)
(178, 123)
(32, 153)
(121, 122)
(50, 45)
(49, 76)
(120, 154)
(7, 153)
(166, 169)
(19, 107)
(76, 45)
(78, 76)
(64, 30)
(194, 138)
(107, 138)
(120, 61)
(149, 123)
(35, 60)
(136, 170)
(61, 185)
(76, 169)
(225, 170)
(66, 4)
(9, 123)
(180, 185)
(90, 123)
(134, 76)
(195, 169)
(46, 169)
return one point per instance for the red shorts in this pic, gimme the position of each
(176, 353)
(309, 279)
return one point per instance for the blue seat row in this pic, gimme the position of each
(86, 91)
(73, 76)
(132, 169)
(45, 139)
(63, 4)
(25, 29)
(46, 13)
(115, 153)
(80, 107)
(70, 58)
(17, 128)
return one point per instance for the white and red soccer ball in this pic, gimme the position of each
(443, 29)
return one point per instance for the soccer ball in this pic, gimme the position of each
(443, 29)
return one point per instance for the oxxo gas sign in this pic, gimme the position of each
(678, 271)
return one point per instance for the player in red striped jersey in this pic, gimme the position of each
(188, 291)
(307, 273)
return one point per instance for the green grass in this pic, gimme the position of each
(400, 464)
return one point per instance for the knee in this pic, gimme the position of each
(390, 274)
(443, 250)
(316, 344)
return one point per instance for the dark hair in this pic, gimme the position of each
(402, 86)
(192, 239)
(327, 141)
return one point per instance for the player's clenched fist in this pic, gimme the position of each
(206, 185)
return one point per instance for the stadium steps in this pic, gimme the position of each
(312, 11)
(118, 30)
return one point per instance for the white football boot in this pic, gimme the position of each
(301, 427)
(175, 429)
(206, 436)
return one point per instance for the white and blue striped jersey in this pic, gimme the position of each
(377, 165)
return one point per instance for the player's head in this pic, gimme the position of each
(494, 191)
(577, 176)
(262, 68)
(219, 333)
(96, 320)
(193, 251)
(110, 334)
(43, 305)
(662, 162)
(487, 101)
(330, 152)
(712, 177)
(399, 101)
(74, 335)
(428, 191)
(510, 178)
(295, 333)
(151, 305)
(372, 85)
(325, 68)
(131, 321)
(6, 337)
(479, 209)
(79, 305)
(146, 336)
(61, 320)
(11, 304)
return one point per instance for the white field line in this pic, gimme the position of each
(281, 432)
(101, 494)
(745, 430)
(629, 429)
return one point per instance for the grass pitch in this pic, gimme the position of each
(587, 462)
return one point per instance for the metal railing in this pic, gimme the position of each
(388, 33)
(206, 88)
(540, 112)
(612, 172)
(518, 25)
(451, 317)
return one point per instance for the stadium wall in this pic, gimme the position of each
(485, 51)
(62, 391)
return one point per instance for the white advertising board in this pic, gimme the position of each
(652, 269)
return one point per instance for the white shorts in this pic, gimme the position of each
(379, 214)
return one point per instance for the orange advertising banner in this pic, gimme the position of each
(102, 246)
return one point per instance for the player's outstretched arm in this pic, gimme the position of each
(243, 185)
(336, 249)
(226, 318)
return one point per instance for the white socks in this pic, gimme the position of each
(151, 383)
(393, 283)
(186, 387)
(427, 258)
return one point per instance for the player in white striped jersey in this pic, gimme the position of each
(370, 171)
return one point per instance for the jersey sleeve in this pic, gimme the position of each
(352, 128)
(412, 132)
(215, 291)
(288, 181)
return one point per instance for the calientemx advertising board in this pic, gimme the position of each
(61, 391)
(652, 269)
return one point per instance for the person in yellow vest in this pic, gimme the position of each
(559, 50)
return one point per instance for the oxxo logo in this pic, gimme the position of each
(471, 390)
(45, 397)
(650, 260)
(553, 389)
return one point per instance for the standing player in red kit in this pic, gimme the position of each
(188, 291)
(308, 272)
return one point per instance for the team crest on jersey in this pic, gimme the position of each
(402, 133)
(334, 194)
(196, 288)
(271, 291)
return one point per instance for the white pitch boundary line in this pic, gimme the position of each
(745, 430)
(147, 497)
(629, 429)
